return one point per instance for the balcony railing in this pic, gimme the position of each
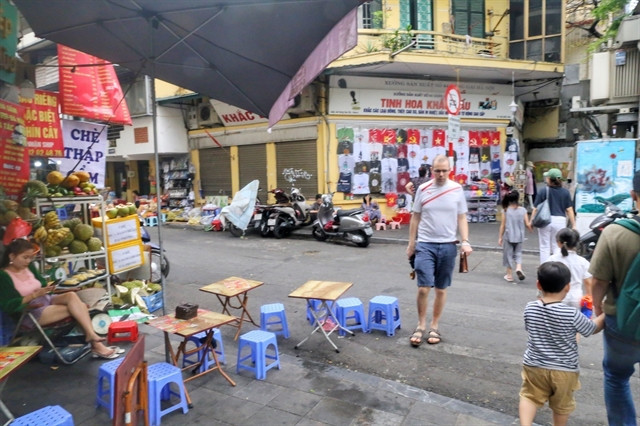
(380, 40)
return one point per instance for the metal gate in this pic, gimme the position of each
(215, 172)
(252, 162)
(297, 165)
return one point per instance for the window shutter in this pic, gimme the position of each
(405, 13)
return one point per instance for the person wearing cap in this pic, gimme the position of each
(561, 209)
(612, 258)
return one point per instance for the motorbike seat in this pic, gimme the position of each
(349, 212)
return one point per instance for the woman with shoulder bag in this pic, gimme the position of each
(561, 208)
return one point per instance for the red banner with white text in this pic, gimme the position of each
(90, 88)
(42, 123)
(14, 161)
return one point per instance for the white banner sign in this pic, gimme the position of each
(85, 145)
(234, 116)
(417, 98)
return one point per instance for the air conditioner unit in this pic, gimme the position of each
(192, 118)
(304, 102)
(207, 115)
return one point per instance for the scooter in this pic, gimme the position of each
(159, 261)
(352, 225)
(289, 213)
(589, 240)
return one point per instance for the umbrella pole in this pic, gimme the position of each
(159, 197)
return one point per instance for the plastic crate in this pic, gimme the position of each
(154, 302)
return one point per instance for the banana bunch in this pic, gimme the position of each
(40, 235)
(55, 236)
(51, 220)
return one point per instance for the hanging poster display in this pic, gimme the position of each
(604, 172)
(85, 145)
(42, 123)
(14, 161)
(90, 88)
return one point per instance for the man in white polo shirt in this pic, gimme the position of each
(439, 212)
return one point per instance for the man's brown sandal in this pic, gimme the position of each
(416, 337)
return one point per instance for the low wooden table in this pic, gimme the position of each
(325, 291)
(230, 288)
(205, 321)
(11, 359)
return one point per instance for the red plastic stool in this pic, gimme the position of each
(123, 331)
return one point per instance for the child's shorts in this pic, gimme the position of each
(540, 385)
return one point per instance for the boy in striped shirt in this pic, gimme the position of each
(550, 371)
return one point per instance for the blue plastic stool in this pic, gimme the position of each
(258, 342)
(151, 221)
(106, 384)
(384, 314)
(160, 377)
(274, 310)
(351, 308)
(316, 304)
(53, 415)
(197, 339)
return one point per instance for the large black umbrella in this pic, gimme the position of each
(243, 52)
(254, 54)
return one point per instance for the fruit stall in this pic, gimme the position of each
(84, 243)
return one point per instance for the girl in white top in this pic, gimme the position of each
(567, 240)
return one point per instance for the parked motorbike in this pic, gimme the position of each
(289, 213)
(589, 240)
(352, 225)
(159, 261)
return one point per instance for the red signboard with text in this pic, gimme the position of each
(89, 88)
(42, 123)
(14, 161)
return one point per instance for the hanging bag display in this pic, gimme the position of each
(543, 215)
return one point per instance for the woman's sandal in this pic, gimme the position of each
(434, 337)
(115, 353)
(416, 338)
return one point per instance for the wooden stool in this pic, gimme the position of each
(123, 331)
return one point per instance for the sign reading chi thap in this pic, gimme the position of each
(418, 98)
(84, 149)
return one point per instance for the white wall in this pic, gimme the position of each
(172, 135)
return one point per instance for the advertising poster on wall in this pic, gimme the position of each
(604, 173)
(85, 146)
(42, 123)
(14, 161)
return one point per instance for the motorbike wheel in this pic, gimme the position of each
(586, 247)
(281, 229)
(235, 231)
(265, 231)
(365, 240)
(159, 265)
(318, 234)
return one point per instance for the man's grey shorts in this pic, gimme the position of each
(434, 264)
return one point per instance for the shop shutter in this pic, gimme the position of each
(297, 165)
(252, 161)
(215, 171)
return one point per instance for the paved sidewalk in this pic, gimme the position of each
(302, 392)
